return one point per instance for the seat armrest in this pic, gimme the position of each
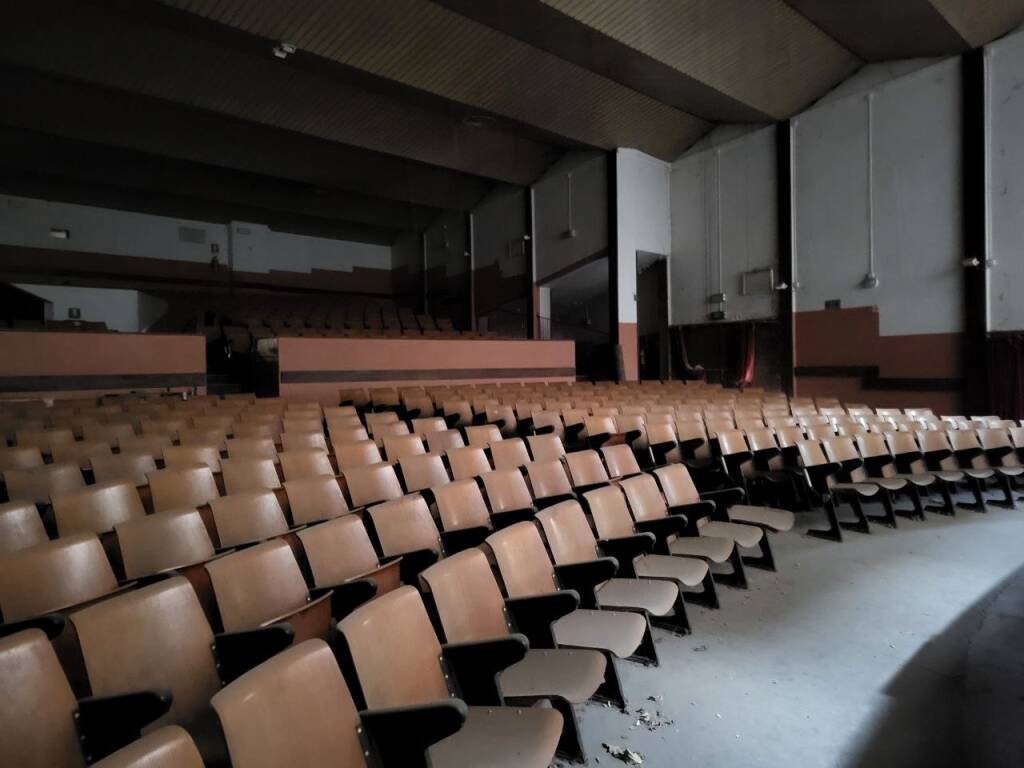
(585, 577)
(662, 528)
(763, 457)
(476, 666)
(414, 563)
(572, 431)
(400, 736)
(51, 623)
(995, 455)
(903, 461)
(689, 447)
(107, 723)
(724, 497)
(965, 457)
(626, 549)
(238, 652)
(698, 509)
(875, 464)
(347, 596)
(933, 459)
(661, 450)
(533, 616)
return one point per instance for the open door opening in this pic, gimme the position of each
(652, 315)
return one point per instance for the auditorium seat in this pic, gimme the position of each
(293, 709)
(482, 435)
(444, 440)
(313, 499)
(820, 474)
(397, 661)
(54, 576)
(309, 462)
(470, 609)
(468, 462)
(97, 508)
(41, 724)
(546, 447)
(185, 488)
(580, 564)
(40, 484)
(252, 448)
(509, 496)
(620, 461)
(131, 467)
(164, 541)
(111, 433)
(423, 473)
(549, 483)
(526, 572)
(509, 453)
(404, 527)
(971, 454)
(372, 484)
(842, 452)
(298, 441)
(43, 439)
(21, 526)
(80, 452)
(586, 470)
(340, 551)
(152, 445)
(263, 585)
(247, 517)
(28, 457)
(168, 747)
(399, 446)
(645, 553)
(677, 534)
(241, 475)
(465, 519)
(184, 456)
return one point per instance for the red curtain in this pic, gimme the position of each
(749, 355)
(1006, 375)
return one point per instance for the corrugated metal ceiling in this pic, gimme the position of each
(430, 48)
(979, 21)
(762, 53)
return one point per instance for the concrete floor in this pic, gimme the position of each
(899, 648)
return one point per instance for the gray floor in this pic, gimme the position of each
(899, 648)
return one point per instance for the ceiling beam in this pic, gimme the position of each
(544, 27)
(114, 118)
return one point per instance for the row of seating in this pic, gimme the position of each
(546, 557)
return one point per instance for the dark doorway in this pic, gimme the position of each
(652, 315)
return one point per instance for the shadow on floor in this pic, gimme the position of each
(960, 700)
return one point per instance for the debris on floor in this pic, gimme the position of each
(650, 722)
(626, 755)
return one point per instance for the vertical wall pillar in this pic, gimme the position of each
(975, 223)
(784, 204)
(621, 281)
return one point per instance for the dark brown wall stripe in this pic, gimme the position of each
(100, 381)
(322, 377)
(871, 379)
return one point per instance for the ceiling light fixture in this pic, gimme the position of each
(478, 121)
(284, 50)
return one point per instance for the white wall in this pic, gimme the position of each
(900, 185)
(644, 220)
(122, 310)
(27, 222)
(724, 221)
(586, 175)
(1006, 183)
